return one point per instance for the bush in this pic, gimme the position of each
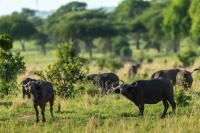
(182, 99)
(187, 56)
(5, 42)
(126, 52)
(113, 63)
(118, 44)
(10, 65)
(109, 62)
(91, 90)
(65, 72)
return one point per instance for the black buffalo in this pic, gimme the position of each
(148, 92)
(176, 76)
(41, 92)
(132, 71)
(104, 81)
(23, 83)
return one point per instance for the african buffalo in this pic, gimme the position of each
(41, 92)
(104, 80)
(23, 83)
(176, 76)
(148, 92)
(133, 70)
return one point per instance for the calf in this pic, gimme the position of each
(41, 92)
(23, 83)
(148, 92)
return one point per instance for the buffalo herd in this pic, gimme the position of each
(158, 88)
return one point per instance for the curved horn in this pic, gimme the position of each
(121, 81)
(196, 69)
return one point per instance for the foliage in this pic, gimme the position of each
(126, 52)
(194, 13)
(10, 65)
(21, 27)
(109, 62)
(118, 44)
(187, 56)
(130, 8)
(41, 40)
(182, 98)
(65, 72)
(90, 89)
(176, 20)
(5, 42)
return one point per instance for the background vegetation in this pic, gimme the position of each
(75, 40)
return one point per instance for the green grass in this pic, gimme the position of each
(108, 114)
(112, 113)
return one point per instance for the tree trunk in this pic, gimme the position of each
(89, 46)
(44, 49)
(109, 45)
(76, 45)
(138, 41)
(6, 86)
(23, 45)
(158, 47)
(176, 44)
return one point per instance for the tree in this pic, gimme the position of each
(151, 19)
(138, 28)
(41, 40)
(118, 44)
(131, 8)
(65, 72)
(10, 65)
(50, 24)
(28, 13)
(18, 27)
(194, 13)
(176, 21)
(86, 26)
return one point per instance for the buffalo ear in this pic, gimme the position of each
(134, 84)
(133, 87)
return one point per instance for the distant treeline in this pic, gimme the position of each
(159, 24)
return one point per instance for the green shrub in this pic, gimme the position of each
(65, 72)
(187, 56)
(10, 65)
(5, 42)
(126, 52)
(113, 63)
(91, 90)
(182, 98)
(109, 62)
(118, 44)
(149, 60)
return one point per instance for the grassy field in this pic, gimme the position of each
(108, 114)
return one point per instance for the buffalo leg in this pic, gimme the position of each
(173, 104)
(51, 108)
(42, 112)
(23, 95)
(36, 112)
(166, 106)
(141, 108)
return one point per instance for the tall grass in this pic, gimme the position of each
(102, 114)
